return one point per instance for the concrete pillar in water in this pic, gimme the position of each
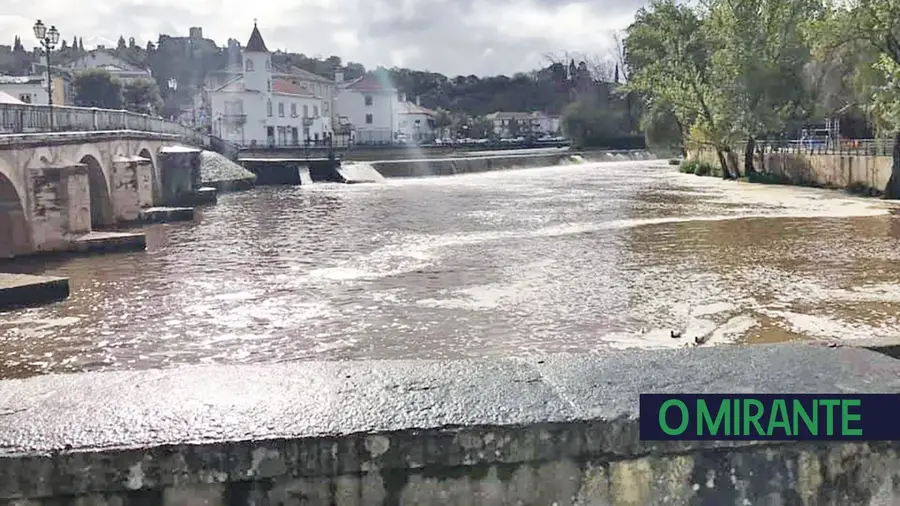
(131, 186)
(60, 204)
(179, 174)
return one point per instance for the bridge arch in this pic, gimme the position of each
(98, 190)
(146, 152)
(15, 232)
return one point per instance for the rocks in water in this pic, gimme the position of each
(223, 174)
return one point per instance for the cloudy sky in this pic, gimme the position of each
(448, 36)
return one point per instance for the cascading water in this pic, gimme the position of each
(305, 178)
(359, 172)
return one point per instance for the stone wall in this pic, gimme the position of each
(838, 170)
(562, 429)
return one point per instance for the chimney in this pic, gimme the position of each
(418, 101)
(338, 76)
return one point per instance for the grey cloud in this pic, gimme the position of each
(435, 35)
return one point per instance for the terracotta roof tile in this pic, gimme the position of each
(289, 88)
(370, 82)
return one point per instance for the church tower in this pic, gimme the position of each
(257, 64)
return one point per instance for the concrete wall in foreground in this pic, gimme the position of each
(841, 171)
(562, 429)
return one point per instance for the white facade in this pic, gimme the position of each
(257, 107)
(104, 59)
(536, 123)
(371, 107)
(309, 83)
(414, 122)
(29, 89)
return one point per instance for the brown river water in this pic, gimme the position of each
(572, 258)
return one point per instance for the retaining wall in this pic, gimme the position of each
(559, 430)
(838, 170)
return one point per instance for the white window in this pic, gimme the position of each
(281, 109)
(268, 64)
(368, 100)
(25, 97)
(305, 111)
(269, 85)
(269, 108)
(325, 107)
(293, 110)
(249, 65)
(315, 111)
(368, 119)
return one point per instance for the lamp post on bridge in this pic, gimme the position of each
(48, 39)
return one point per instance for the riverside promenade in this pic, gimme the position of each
(561, 430)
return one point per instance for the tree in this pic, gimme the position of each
(874, 25)
(763, 92)
(121, 44)
(669, 60)
(442, 120)
(96, 88)
(80, 44)
(142, 96)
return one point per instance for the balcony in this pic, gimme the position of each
(234, 118)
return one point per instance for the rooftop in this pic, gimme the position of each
(370, 82)
(256, 43)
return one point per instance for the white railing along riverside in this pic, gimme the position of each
(29, 118)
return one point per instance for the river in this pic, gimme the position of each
(557, 259)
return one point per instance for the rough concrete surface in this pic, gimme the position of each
(17, 290)
(557, 430)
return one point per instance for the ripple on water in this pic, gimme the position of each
(577, 258)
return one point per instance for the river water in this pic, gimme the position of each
(570, 258)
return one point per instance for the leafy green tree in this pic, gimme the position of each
(142, 96)
(442, 121)
(760, 53)
(96, 88)
(668, 53)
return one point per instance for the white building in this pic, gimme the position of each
(314, 84)
(516, 124)
(257, 107)
(414, 122)
(105, 59)
(28, 89)
(370, 105)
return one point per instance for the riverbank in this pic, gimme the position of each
(860, 174)
(533, 431)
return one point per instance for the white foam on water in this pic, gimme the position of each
(305, 178)
(360, 172)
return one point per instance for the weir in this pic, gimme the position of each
(560, 429)
(275, 171)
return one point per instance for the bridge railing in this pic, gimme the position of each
(30, 118)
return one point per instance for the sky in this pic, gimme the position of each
(454, 37)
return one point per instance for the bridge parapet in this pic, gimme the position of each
(30, 119)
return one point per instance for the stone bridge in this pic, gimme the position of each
(57, 187)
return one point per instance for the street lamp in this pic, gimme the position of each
(48, 39)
